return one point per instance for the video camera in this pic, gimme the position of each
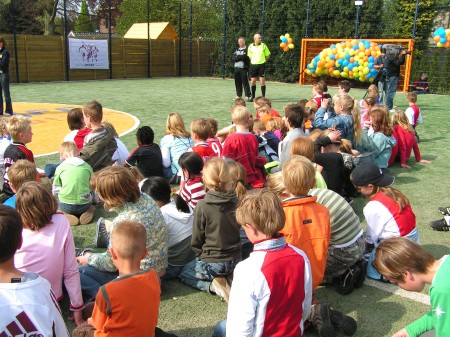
(393, 50)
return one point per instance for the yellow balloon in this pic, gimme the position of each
(439, 44)
(360, 62)
(378, 52)
(287, 36)
(366, 64)
(326, 71)
(366, 70)
(291, 46)
(356, 58)
(360, 68)
(346, 69)
(351, 52)
(361, 54)
(371, 79)
(344, 74)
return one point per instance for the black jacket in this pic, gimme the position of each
(240, 54)
(4, 60)
(393, 66)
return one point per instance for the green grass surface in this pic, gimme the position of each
(188, 312)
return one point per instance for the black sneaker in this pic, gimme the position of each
(444, 210)
(343, 322)
(320, 319)
(346, 282)
(101, 235)
(440, 225)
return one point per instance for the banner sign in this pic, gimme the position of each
(88, 54)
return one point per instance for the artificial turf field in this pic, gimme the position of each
(188, 312)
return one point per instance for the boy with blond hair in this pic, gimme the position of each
(19, 128)
(200, 132)
(99, 144)
(307, 222)
(19, 173)
(71, 186)
(242, 146)
(128, 305)
(405, 263)
(25, 298)
(275, 275)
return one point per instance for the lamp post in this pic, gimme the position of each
(358, 4)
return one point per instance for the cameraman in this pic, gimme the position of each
(392, 74)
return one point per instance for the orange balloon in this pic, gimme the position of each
(447, 44)
(314, 75)
(282, 45)
(373, 53)
(366, 58)
(332, 63)
(350, 73)
(327, 65)
(286, 48)
(367, 52)
(436, 38)
(331, 69)
(290, 40)
(352, 59)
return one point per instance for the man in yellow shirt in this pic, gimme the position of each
(259, 54)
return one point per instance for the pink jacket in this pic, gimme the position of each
(50, 252)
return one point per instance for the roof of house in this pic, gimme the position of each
(158, 31)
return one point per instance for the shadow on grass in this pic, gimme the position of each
(436, 250)
(431, 139)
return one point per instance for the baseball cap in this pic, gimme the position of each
(368, 173)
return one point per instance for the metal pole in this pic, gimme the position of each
(66, 51)
(148, 38)
(224, 44)
(308, 8)
(415, 20)
(11, 9)
(190, 39)
(179, 41)
(358, 9)
(263, 12)
(110, 40)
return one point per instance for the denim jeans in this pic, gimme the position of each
(76, 210)
(50, 169)
(4, 86)
(220, 330)
(199, 274)
(392, 84)
(91, 281)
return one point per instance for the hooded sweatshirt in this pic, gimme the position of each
(73, 176)
(215, 234)
(382, 148)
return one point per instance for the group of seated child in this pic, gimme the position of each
(255, 199)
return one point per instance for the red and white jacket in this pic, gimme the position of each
(271, 293)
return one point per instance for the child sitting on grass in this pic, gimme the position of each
(215, 233)
(128, 305)
(24, 297)
(71, 185)
(120, 192)
(200, 132)
(405, 141)
(388, 212)
(242, 147)
(48, 247)
(191, 165)
(19, 173)
(19, 128)
(147, 156)
(405, 263)
(275, 275)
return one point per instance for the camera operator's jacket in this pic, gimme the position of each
(393, 66)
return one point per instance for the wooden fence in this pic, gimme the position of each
(42, 58)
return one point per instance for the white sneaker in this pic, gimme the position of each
(392, 110)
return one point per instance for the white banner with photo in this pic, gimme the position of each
(88, 54)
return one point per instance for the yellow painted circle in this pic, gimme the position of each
(49, 123)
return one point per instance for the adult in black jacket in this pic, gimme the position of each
(392, 66)
(241, 65)
(4, 78)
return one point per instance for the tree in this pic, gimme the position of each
(83, 22)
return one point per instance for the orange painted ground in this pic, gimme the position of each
(50, 124)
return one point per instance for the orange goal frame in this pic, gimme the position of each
(312, 47)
